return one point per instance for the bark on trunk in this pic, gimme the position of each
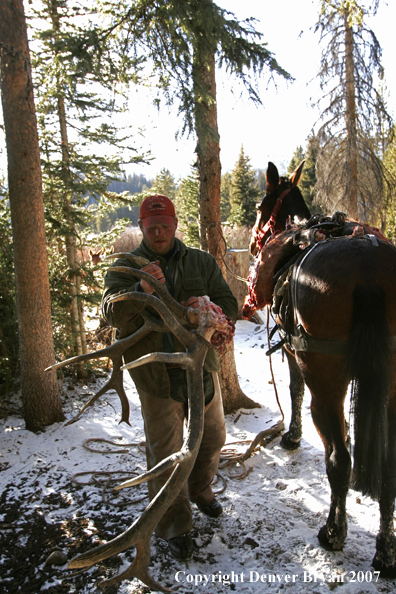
(70, 239)
(350, 116)
(232, 393)
(238, 265)
(208, 152)
(42, 405)
(77, 309)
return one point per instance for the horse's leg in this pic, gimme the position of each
(385, 556)
(328, 389)
(291, 439)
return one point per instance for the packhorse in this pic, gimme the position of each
(283, 202)
(332, 289)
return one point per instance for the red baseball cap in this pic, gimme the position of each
(156, 210)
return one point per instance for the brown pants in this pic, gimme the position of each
(164, 420)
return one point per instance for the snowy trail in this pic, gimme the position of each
(266, 540)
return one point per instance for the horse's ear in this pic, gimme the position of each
(271, 178)
(295, 176)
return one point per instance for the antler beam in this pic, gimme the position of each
(140, 532)
(208, 320)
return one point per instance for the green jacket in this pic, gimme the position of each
(195, 273)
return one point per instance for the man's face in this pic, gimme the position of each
(159, 237)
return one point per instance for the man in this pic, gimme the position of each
(188, 273)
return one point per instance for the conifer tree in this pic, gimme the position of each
(308, 177)
(350, 172)
(183, 42)
(164, 183)
(225, 192)
(186, 205)
(296, 159)
(261, 182)
(40, 394)
(390, 201)
(244, 192)
(9, 360)
(74, 118)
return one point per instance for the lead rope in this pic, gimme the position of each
(222, 258)
(272, 432)
(230, 459)
(272, 371)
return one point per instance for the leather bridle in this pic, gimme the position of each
(270, 224)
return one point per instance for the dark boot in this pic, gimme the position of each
(213, 509)
(181, 547)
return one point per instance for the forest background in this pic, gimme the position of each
(91, 195)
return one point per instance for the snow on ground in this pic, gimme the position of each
(266, 540)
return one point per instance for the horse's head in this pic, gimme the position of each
(283, 199)
(271, 258)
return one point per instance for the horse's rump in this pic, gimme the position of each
(346, 291)
(323, 286)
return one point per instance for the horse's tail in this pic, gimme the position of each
(369, 365)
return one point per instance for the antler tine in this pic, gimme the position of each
(166, 314)
(115, 352)
(151, 324)
(139, 534)
(115, 382)
(181, 359)
(184, 360)
(261, 437)
(185, 313)
(165, 464)
(131, 257)
(138, 569)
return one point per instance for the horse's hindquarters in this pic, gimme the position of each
(323, 287)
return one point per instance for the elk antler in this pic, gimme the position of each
(131, 257)
(115, 352)
(187, 315)
(140, 532)
(209, 321)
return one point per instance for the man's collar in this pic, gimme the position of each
(172, 251)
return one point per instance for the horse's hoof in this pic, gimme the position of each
(289, 444)
(385, 557)
(333, 544)
(386, 571)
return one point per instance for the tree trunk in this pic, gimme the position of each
(238, 265)
(77, 309)
(42, 405)
(208, 152)
(350, 117)
(77, 320)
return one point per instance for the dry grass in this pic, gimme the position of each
(129, 240)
